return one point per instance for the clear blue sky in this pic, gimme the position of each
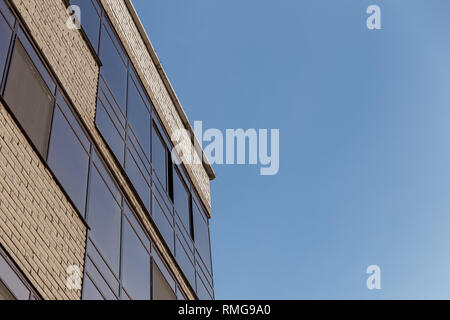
(364, 119)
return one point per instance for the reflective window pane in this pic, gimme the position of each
(185, 263)
(113, 70)
(104, 219)
(5, 294)
(161, 288)
(135, 265)
(90, 20)
(109, 131)
(163, 224)
(29, 98)
(202, 292)
(5, 37)
(7, 13)
(201, 235)
(90, 292)
(182, 200)
(11, 280)
(137, 179)
(159, 158)
(68, 160)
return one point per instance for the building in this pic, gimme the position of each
(91, 204)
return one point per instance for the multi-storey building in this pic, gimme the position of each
(92, 205)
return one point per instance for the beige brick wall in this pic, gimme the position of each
(65, 49)
(38, 226)
(138, 52)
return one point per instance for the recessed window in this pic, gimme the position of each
(135, 265)
(182, 200)
(104, 216)
(68, 160)
(5, 38)
(161, 288)
(5, 294)
(29, 98)
(114, 69)
(139, 116)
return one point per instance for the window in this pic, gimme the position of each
(68, 160)
(5, 38)
(110, 130)
(90, 19)
(135, 265)
(29, 98)
(137, 178)
(185, 262)
(5, 294)
(159, 158)
(114, 69)
(201, 235)
(161, 288)
(104, 216)
(163, 224)
(7, 13)
(139, 116)
(182, 200)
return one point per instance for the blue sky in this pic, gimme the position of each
(364, 119)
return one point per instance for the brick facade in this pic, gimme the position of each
(39, 227)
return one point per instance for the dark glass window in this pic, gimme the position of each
(159, 158)
(161, 288)
(135, 265)
(7, 13)
(114, 69)
(182, 200)
(5, 38)
(29, 98)
(164, 226)
(139, 116)
(99, 272)
(5, 294)
(90, 292)
(12, 285)
(110, 131)
(185, 262)
(104, 216)
(202, 292)
(68, 160)
(201, 235)
(90, 20)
